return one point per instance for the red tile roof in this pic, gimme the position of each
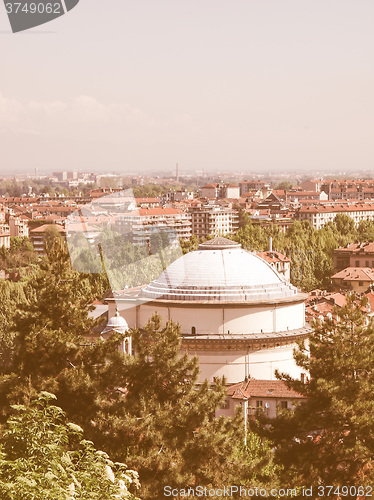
(356, 248)
(42, 229)
(262, 388)
(355, 274)
(338, 207)
(273, 257)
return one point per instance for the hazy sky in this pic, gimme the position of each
(227, 85)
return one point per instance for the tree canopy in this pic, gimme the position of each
(329, 440)
(45, 457)
(146, 410)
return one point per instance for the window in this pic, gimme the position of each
(366, 263)
(226, 404)
(357, 264)
(193, 330)
(284, 405)
(259, 404)
(360, 283)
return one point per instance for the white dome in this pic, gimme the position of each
(116, 323)
(219, 272)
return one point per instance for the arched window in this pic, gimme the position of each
(193, 330)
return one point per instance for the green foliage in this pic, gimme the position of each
(344, 224)
(15, 188)
(145, 410)
(46, 334)
(150, 191)
(329, 438)
(44, 457)
(310, 250)
(20, 256)
(285, 185)
(365, 230)
(189, 245)
(258, 459)
(164, 425)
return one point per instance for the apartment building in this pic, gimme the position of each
(357, 279)
(220, 190)
(319, 214)
(213, 220)
(343, 189)
(354, 255)
(247, 186)
(38, 234)
(18, 226)
(143, 221)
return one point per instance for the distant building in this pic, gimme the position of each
(37, 236)
(19, 227)
(147, 202)
(247, 186)
(307, 195)
(138, 222)
(357, 279)
(275, 202)
(60, 176)
(278, 261)
(229, 191)
(209, 191)
(180, 195)
(220, 190)
(213, 220)
(265, 397)
(320, 214)
(354, 255)
(343, 189)
(321, 305)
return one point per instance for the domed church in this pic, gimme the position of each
(237, 314)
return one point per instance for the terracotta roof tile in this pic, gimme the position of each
(262, 388)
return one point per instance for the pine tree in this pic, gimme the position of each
(48, 337)
(329, 439)
(164, 425)
(146, 410)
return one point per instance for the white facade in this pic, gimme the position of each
(320, 214)
(214, 220)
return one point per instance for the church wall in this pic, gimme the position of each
(236, 365)
(251, 320)
(232, 365)
(263, 362)
(266, 319)
(146, 311)
(129, 314)
(289, 317)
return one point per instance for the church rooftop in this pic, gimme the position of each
(219, 243)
